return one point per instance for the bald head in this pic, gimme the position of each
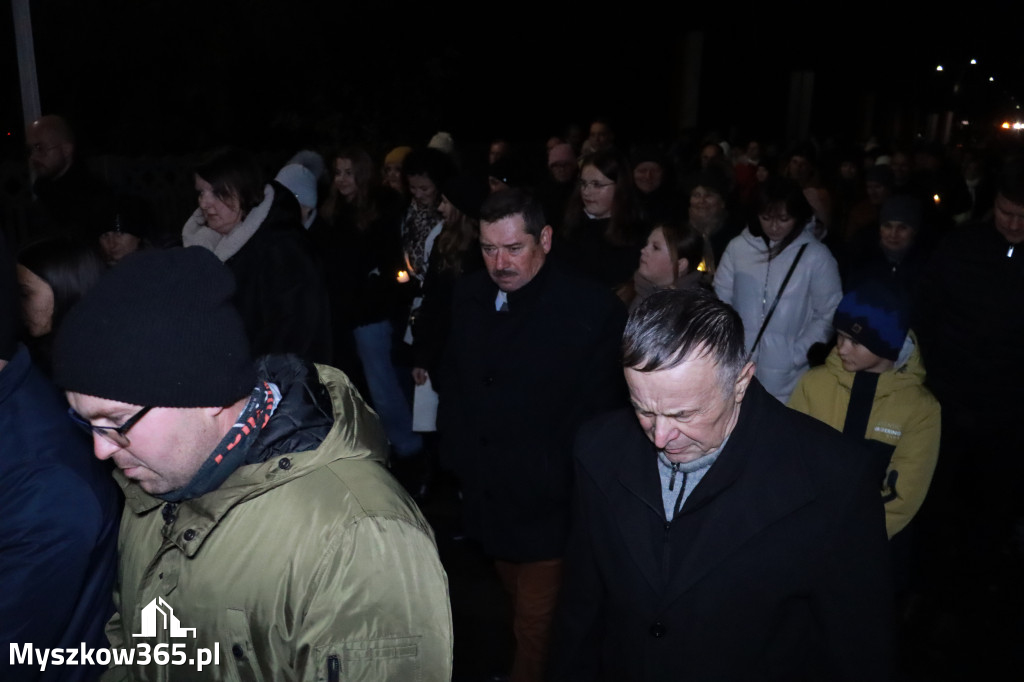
(51, 146)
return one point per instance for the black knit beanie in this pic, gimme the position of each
(901, 209)
(158, 330)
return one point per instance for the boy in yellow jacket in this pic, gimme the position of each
(871, 388)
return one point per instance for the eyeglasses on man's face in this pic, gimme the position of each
(118, 435)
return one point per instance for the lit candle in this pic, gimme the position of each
(403, 276)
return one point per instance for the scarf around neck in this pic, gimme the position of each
(233, 449)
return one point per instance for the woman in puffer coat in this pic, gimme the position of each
(750, 277)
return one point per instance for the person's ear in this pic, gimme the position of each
(743, 381)
(545, 238)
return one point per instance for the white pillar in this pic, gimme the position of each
(26, 61)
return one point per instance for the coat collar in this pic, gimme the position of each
(756, 484)
(638, 474)
(196, 233)
(909, 370)
(751, 486)
(522, 298)
(355, 434)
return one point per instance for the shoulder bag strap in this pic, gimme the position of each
(771, 311)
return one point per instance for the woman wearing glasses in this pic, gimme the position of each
(600, 231)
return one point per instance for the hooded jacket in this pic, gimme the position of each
(749, 282)
(904, 425)
(311, 565)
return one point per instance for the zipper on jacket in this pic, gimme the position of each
(333, 668)
(764, 294)
(672, 479)
(679, 498)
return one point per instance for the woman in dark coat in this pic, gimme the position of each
(455, 252)
(256, 230)
(600, 234)
(365, 247)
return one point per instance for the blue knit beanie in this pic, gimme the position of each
(876, 317)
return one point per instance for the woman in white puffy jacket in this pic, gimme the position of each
(751, 274)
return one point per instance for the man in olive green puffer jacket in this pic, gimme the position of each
(263, 537)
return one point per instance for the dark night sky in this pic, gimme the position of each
(155, 76)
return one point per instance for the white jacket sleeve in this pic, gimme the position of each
(826, 290)
(724, 275)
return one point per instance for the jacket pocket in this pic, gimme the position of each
(241, 655)
(386, 658)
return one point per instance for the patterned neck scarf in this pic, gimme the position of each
(417, 225)
(233, 449)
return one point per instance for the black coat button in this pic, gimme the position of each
(667, 525)
(658, 630)
(189, 535)
(488, 381)
(285, 463)
(237, 651)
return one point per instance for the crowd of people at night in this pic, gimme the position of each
(733, 410)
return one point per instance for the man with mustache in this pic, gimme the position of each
(532, 352)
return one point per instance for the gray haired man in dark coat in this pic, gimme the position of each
(718, 535)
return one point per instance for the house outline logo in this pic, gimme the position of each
(160, 609)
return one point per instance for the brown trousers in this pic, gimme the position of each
(534, 590)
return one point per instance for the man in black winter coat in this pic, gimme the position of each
(69, 200)
(532, 353)
(718, 534)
